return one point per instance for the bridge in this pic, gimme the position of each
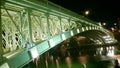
(30, 28)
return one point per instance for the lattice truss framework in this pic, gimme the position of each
(19, 23)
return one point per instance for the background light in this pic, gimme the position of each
(87, 12)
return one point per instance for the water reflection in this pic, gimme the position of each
(64, 57)
(69, 56)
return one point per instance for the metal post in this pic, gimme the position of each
(21, 30)
(48, 24)
(29, 27)
(69, 20)
(60, 24)
(1, 49)
(40, 24)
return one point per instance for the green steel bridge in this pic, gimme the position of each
(30, 28)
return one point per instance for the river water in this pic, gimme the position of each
(63, 56)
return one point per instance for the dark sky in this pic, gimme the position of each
(100, 10)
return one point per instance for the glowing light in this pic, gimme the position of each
(71, 33)
(34, 52)
(107, 48)
(99, 24)
(115, 24)
(63, 36)
(113, 29)
(98, 42)
(78, 31)
(82, 29)
(104, 24)
(86, 28)
(110, 51)
(90, 28)
(68, 61)
(5, 65)
(101, 48)
(87, 12)
(106, 37)
(52, 44)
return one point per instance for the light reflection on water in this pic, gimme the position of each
(65, 58)
(67, 62)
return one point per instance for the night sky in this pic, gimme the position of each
(100, 10)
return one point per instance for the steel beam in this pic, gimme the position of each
(29, 27)
(1, 45)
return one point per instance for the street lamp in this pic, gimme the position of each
(104, 24)
(87, 12)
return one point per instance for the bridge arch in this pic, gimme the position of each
(100, 36)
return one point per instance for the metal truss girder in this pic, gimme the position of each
(47, 9)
